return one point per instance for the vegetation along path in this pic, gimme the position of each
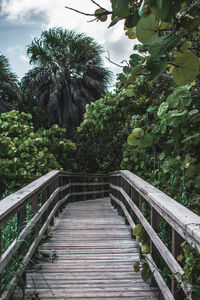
(94, 257)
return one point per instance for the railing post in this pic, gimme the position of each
(58, 195)
(21, 221)
(21, 218)
(155, 223)
(34, 203)
(176, 250)
(132, 195)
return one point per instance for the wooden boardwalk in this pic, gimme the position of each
(94, 257)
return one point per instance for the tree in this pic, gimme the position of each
(8, 85)
(68, 74)
(29, 104)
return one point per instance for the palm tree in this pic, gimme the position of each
(68, 73)
(8, 85)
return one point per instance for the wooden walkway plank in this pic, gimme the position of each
(94, 257)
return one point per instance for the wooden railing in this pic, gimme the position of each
(129, 192)
(34, 208)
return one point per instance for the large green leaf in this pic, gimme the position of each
(180, 95)
(134, 137)
(134, 60)
(146, 30)
(120, 8)
(132, 20)
(156, 66)
(162, 46)
(163, 109)
(173, 101)
(186, 67)
(165, 9)
(162, 9)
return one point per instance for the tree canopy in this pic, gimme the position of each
(68, 73)
(8, 85)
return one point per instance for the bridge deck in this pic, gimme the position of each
(94, 257)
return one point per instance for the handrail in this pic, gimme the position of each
(46, 196)
(51, 192)
(128, 191)
(183, 220)
(9, 204)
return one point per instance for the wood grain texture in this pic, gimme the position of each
(94, 257)
(183, 220)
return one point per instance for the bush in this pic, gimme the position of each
(26, 154)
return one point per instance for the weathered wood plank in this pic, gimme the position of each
(183, 220)
(95, 259)
(14, 200)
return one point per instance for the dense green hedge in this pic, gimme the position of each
(26, 154)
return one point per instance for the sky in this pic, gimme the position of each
(23, 20)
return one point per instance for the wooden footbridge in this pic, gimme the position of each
(91, 252)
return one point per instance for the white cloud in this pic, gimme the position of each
(55, 14)
(14, 49)
(24, 58)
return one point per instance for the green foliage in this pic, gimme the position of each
(164, 28)
(29, 104)
(101, 132)
(8, 85)
(68, 73)
(190, 259)
(26, 154)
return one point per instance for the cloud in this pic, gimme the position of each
(24, 58)
(46, 14)
(14, 49)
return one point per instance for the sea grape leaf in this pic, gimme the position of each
(162, 10)
(163, 108)
(193, 112)
(178, 114)
(146, 30)
(165, 166)
(114, 21)
(161, 47)
(156, 66)
(179, 97)
(120, 8)
(134, 60)
(165, 10)
(134, 73)
(98, 13)
(136, 266)
(163, 126)
(186, 67)
(162, 156)
(145, 249)
(126, 69)
(173, 101)
(147, 140)
(130, 90)
(137, 230)
(182, 91)
(134, 137)
(132, 20)
(131, 33)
